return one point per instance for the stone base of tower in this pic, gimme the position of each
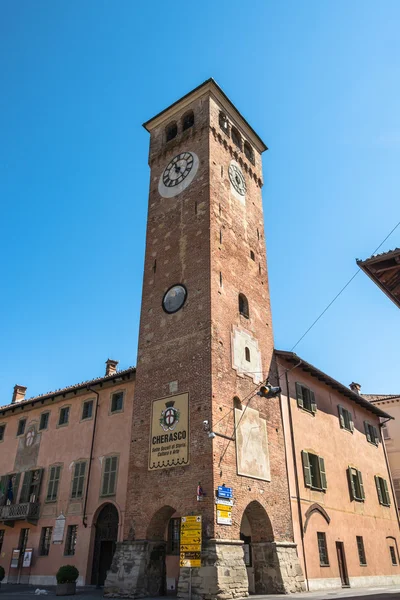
(277, 568)
(138, 571)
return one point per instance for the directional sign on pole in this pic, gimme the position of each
(190, 547)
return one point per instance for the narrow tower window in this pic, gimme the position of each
(237, 140)
(188, 121)
(252, 255)
(220, 236)
(220, 279)
(247, 354)
(249, 153)
(171, 131)
(243, 306)
(223, 122)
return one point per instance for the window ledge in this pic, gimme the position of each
(307, 410)
(321, 565)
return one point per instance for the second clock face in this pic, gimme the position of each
(178, 174)
(237, 178)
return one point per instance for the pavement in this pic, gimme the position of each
(13, 592)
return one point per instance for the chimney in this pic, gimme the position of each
(355, 387)
(19, 394)
(111, 367)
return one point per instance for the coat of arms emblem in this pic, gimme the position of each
(169, 416)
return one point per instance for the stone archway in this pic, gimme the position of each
(106, 536)
(156, 566)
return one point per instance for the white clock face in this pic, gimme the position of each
(237, 178)
(178, 174)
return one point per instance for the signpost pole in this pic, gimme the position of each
(190, 584)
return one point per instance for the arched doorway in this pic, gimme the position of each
(104, 543)
(159, 579)
(263, 570)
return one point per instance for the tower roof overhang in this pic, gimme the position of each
(384, 270)
(210, 87)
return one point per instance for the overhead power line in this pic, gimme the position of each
(341, 291)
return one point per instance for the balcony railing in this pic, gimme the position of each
(25, 511)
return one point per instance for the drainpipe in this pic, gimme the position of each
(296, 477)
(84, 518)
(389, 471)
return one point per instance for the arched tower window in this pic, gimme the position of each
(171, 131)
(248, 150)
(223, 122)
(243, 306)
(188, 121)
(247, 353)
(236, 137)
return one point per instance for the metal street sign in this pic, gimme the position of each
(224, 492)
(190, 545)
(225, 501)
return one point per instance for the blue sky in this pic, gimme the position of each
(320, 83)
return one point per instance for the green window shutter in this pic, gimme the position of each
(376, 436)
(3, 489)
(37, 483)
(351, 484)
(341, 417)
(387, 497)
(299, 395)
(113, 474)
(75, 480)
(313, 402)
(306, 468)
(367, 431)
(378, 489)
(50, 485)
(16, 487)
(322, 472)
(360, 481)
(26, 486)
(106, 477)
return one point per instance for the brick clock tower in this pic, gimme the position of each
(205, 348)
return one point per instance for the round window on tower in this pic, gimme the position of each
(174, 298)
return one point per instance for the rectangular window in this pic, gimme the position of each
(1, 538)
(21, 426)
(323, 549)
(385, 432)
(306, 398)
(52, 486)
(356, 486)
(109, 476)
(78, 480)
(314, 471)
(361, 551)
(70, 543)
(9, 486)
(64, 416)
(45, 541)
(345, 418)
(117, 401)
(87, 410)
(371, 433)
(31, 486)
(174, 536)
(44, 421)
(382, 490)
(393, 555)
(2, 430)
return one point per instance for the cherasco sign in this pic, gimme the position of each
(169, 435)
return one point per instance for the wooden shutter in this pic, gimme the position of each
(306, 468)
(378, 489)
(322, 472)
(387, 497)
(351, 422)
(351, 484)
(26, 486)
(299, 395)
(367, 431)
(341, 417)
(15, 487)
(3, 489)
(360, 481)
(113, 474)
(376, 436)
(106, 477)
(75, 480)
(38, 473)
(313, 402)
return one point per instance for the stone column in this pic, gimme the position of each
(137, 570)
(222, 576)
(277, 568)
